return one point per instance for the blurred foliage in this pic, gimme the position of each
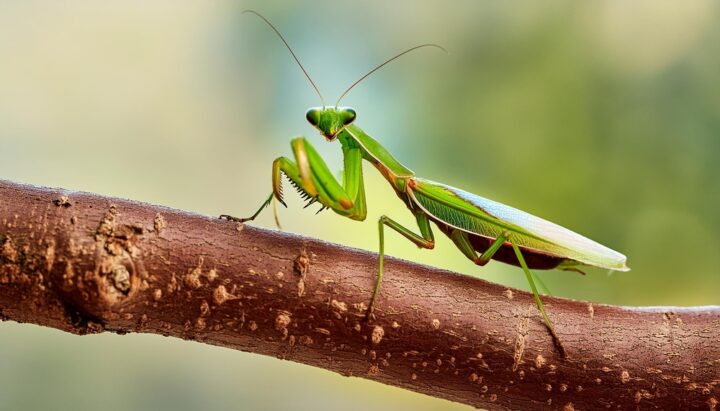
(600, 116)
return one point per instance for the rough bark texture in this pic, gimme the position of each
(85, 264)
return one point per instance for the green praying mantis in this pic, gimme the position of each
(480, 228)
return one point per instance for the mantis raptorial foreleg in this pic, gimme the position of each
(315, 179)
(311, 176)
(252, 217)
(424, 240)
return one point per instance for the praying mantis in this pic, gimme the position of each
(480, 228)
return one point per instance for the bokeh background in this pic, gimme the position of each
(601, 116)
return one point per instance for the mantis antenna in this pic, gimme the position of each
(383, 64)
(290, 50)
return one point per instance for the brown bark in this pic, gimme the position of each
(85, 264)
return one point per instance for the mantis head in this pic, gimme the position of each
(330, 121)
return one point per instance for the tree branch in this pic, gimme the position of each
(85, 264)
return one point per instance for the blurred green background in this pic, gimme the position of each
(601, 116)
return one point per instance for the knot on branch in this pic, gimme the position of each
(116, 274)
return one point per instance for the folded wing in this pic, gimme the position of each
(481, 216)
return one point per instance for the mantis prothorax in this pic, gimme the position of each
(480, 228)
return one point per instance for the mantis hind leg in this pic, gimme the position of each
(424, 240)
(538, 302)
(462, 242)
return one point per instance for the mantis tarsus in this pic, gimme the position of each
(481, 229)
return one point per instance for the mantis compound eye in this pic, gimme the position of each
(347, 115)
(313, 116)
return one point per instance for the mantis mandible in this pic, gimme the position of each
(480, 228)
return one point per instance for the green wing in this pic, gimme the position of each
(481, 216)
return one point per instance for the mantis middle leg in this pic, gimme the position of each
(424, 240)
